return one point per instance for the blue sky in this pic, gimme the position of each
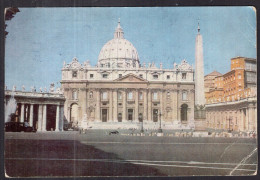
(41, 39)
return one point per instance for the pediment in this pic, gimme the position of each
(130, 78)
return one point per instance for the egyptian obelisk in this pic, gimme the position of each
(199, 70)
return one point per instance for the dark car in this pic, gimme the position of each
(18, 127)
(113, 132)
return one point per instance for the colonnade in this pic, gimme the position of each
(236, 118)
(113, 108)
(42, 116)
(144, 104)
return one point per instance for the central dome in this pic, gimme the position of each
(118, 52)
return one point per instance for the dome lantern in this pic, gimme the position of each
(119, 33)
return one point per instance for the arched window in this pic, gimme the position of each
(184, 112)
(74, 95)
(104, 95)
(90, 95)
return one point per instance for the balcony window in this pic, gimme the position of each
(104, 95)
(140, 95)
(155, 95)
(119, 95)
(130, 95)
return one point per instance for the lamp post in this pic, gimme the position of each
(142, 125)
(160, 127)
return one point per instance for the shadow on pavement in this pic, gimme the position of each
(52, 151)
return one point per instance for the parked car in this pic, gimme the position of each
(113, 132)
(18, 127)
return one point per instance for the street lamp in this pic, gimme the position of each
(142, 125)
(160, 127)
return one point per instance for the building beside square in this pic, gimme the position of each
(231, 98)
(121, 91)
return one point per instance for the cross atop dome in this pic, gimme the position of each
(198, 26)
(119, 33)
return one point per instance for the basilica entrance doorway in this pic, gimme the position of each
(155, 115)
(130, 114)
(104, 115)
(119, 117)
(74, 114)
(184, 110)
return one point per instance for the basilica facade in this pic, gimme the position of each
(120, 90)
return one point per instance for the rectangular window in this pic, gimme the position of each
(91, 75)
(119, 95)
(183, 76)
(140, 75)
(120, 75)
(74, 95)
(105, 76)
(155, 95)
(184, 96)
(168, 76)
(140, 95)
(155, 76)
(104, 95)
(130, 95)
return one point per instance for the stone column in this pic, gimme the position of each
(61, 117)
(149, 107)
(124, 106)
(161, 106)
(255, 117)
(87, 100)
(175, 107)
(83, 101)
(145, 118)
(22, 113)
(136, 105)
(57, 118)
(44, 109)
(115, 105)
(242, 128)
(250, 119)
(39, 118)
(246, 120)
(97, 116)
(31, 115)
(110, 105)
